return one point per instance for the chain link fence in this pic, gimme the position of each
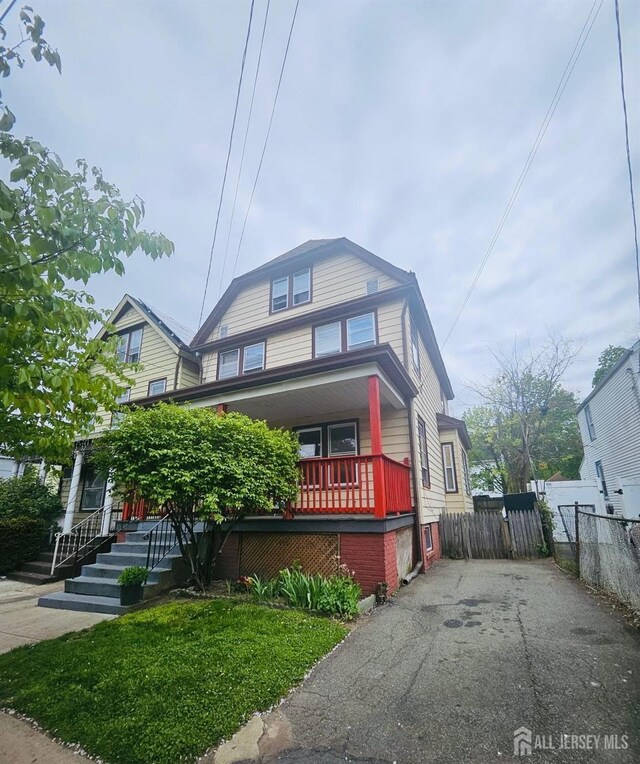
(606, 550)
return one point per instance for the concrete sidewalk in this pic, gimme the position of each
(22, 622)
(453, 666)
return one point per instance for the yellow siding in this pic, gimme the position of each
(334, 280)
(390, 326)
(189, 374)
(460, 501)
(158, 358)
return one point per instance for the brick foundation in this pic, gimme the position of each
(430, 557)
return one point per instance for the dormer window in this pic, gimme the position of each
(244, 360)
(292, 290)
(129, 344)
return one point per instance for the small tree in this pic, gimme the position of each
(201, 467)
(607, 360)
(25, 496)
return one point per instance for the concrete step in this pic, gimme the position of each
(31, 578)
(132, 547)
(104, 587)
(126, 560)
(36, 566)
(85, 603)
(100, 570)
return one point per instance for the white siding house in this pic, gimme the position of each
(609, 420)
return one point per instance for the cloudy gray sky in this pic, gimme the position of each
(402, 125)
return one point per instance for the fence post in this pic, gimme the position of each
(577, 515)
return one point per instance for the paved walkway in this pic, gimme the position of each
(457, 662)
(22, 622)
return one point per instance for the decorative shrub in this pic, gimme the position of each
(135, 575)
(25, 496)
(21, 538)
(336, 595)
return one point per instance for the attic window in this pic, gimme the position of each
(292, 290)
(223, 331)
(372, 286)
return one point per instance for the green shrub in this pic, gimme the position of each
(336, 595)
(135, 575)
(21, 538)
(25, 496)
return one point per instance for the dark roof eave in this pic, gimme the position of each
(383, 355)
(621, 361)
(446, 422)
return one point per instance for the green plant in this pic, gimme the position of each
(25, 496)
(21, 538)
(340, 597)
(135, 575)
(203, 468)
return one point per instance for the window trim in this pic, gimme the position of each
(600, 476)
(240, 370)
(324, 430)
(128, 333)
(289, 276)
(466, 474)
(448, 445)
(89, 468)
(424, 456)
(344, 347)
(155, 382)
(589, 420)
(428, 545)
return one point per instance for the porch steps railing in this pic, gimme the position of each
(83, 538)
(162, 540)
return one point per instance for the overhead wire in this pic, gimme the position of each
(562, 84)
(244, 146)
(626, 135)
(226, 166)
(266, 140)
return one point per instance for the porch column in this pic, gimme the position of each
(221, 408)
(73, 491)
(375, 425)
(108, 507)
(42, 472)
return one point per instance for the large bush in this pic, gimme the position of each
(21, 538)
(25, 496)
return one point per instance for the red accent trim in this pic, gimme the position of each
(375, 423)
(221, 408)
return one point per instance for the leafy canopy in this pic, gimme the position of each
(199, 461)
(58, 228)
(607, 360)
(526, 426)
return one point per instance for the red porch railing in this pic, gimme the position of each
(353, 485)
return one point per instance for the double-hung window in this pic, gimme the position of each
(93, 491)
(129, 344)
(347, 334)
(116, 416)
(449, 466)
(424, 453)
(289, 291)
(590, 427)
(157, 386)
(245, 360)
(339, 439)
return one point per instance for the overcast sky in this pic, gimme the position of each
(402, 125)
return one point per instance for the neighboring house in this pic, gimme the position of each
(161, 346)
(335, 343)
(609, 419)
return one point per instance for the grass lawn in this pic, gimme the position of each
(164, 684)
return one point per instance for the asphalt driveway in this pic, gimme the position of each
(458, 661)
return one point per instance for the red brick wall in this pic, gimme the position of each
(430, 557)
(227, 563)
(372, 556)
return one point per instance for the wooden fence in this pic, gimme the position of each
(485, 535)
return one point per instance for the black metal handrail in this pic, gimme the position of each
(162, 540)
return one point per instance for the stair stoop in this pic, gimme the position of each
(96, 589)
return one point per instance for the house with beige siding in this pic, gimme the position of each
(159, 347)
(336, 344)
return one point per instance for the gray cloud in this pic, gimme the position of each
(402, 125)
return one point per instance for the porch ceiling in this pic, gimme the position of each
(324, 395)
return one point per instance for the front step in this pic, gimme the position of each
(38, 571)
(97, 589)
(85, 603)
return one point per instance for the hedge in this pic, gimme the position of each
(21, 538)
(25, 497)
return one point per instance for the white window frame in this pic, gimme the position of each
(591, 429)
(153, 382)
(373, 331)
(318, 354)
(253, 369)
(124, 341)
(449, 468)
(291, 293)
(306, 290)
(423, 448)
(221, 365)
(428, 538)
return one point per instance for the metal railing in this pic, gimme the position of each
(162, 540)
(83, 538)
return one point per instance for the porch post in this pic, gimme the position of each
(375, 425)
(108, 506)
(73, 491)
(221, 408)
(42, 472)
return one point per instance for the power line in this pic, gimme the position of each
(626, 135)
(244, 146)
(11, 4)
(266, 140)
(564, 79)
(226, 166)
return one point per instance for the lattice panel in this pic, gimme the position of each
(267, 553)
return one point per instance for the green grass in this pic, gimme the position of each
(162, 685)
